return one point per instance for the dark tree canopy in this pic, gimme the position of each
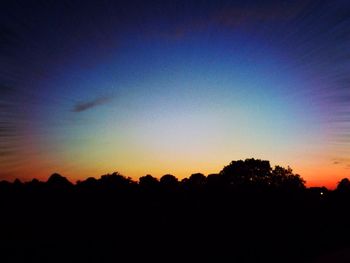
(148, 181)
(169, 180)
(58, 181)
(116, 179)
(344, 185)
(238, 174)
(259, 172)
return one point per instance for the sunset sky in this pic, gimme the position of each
(156, 87)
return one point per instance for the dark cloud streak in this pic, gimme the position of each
(83, 106)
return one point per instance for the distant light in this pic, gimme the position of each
(321, 193)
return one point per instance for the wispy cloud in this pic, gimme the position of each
(345, 162)
(83, 106)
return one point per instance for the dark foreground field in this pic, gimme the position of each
(247, 213)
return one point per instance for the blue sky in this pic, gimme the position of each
(175, 87)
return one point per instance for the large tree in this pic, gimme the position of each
(259, 172)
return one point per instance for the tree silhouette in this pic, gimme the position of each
(148, 181)
(169, 180)
(344, 186)
(57, 181)
(197, 179)
(89, 182)
(195, 182)
(285, 178)
(247, 172)
(254, 172)
(115, 180)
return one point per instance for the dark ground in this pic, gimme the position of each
(114, 219)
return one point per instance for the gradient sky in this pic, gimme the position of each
(156, 87)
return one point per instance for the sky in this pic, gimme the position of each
(156, 87)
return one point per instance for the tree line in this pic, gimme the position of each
(248, 212)
(238, 174)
